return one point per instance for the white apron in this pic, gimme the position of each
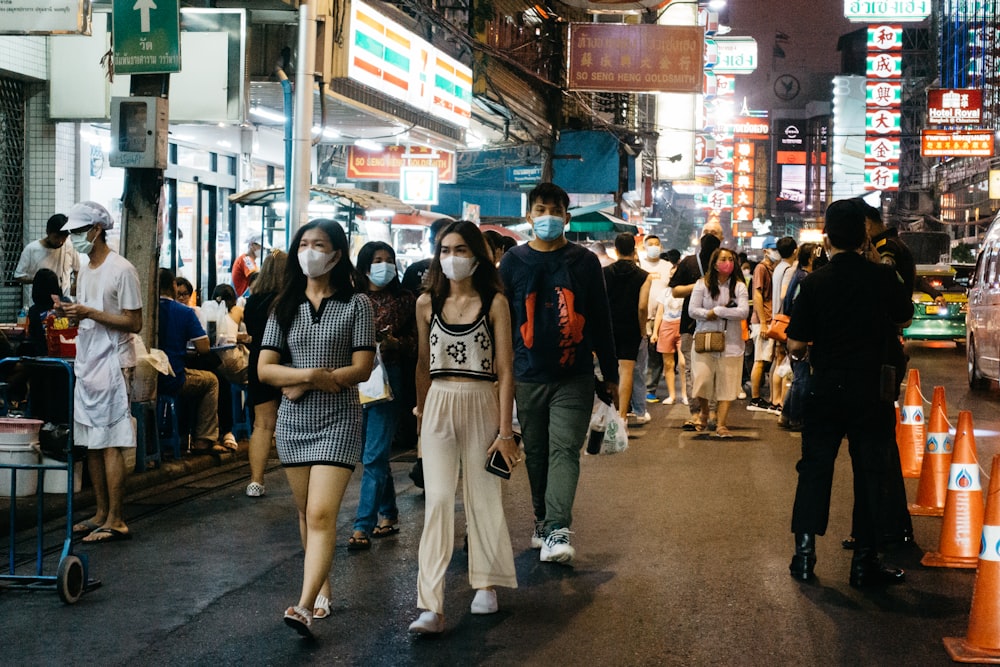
(101, 397)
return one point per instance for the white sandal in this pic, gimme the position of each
(321, 607)
(300, 620)
(255, 490)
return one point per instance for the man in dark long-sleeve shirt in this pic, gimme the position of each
(561, 318)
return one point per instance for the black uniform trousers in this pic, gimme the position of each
(835, 409)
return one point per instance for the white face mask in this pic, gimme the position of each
(458, 268)
(653, 252)
(773, 255)
(80, 242)
(315, 263)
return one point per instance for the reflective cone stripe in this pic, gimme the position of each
(981, 643)
(963, 507)
(910, 436)
(933, 488)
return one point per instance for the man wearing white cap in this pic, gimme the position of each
(246, 264)
(109, 310)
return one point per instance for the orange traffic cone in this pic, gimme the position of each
(981, 643)
(933, 489)
(910, 434)
(963, 508)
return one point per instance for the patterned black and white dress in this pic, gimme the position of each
(322, 428)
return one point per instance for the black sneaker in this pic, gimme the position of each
(758, 405)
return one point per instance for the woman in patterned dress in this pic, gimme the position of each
(323, 326)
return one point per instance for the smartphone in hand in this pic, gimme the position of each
(497, 465)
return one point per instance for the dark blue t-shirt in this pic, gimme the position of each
(178, 325)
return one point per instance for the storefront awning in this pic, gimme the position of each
(595, 218)
(363, 198)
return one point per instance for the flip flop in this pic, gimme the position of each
(229, 442)
(385, 530)
(723, 432)
(113, 535)
(85, 527)
(358, 543)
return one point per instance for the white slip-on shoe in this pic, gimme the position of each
(485, 602)
(428, 623)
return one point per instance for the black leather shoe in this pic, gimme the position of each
(804, 559)
(867, 570)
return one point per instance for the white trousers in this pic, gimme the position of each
(459, 424)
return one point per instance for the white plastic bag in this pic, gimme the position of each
(375, 389)
(607, 433)
(784, 369)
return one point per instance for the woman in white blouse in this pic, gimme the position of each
(719, 303)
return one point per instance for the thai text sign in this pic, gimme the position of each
(961, 106)
(385, 165)
(737, 55)
(147, 36)
(964, 143)
(44, 17)
(872, 11)
(635, 58)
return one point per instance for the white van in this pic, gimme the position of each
(982, 324)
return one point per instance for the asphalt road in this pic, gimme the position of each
(683, 548)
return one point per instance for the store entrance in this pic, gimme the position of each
(197, 242)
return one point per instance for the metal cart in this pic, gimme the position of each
(71, 579)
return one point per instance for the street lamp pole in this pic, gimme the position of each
(298, 203)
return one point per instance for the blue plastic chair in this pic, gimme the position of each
(242, 423)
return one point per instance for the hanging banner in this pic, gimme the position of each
(636, 58)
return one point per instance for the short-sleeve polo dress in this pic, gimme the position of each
(322, 428)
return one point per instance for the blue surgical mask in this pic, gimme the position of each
(548, 227)
(381, 274)
(80, 242)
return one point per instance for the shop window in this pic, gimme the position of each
(194, 158)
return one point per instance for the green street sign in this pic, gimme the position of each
(146, 36)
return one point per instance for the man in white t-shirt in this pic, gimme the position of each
(109, 311)
(783, 272)
(51, 252)
(660, 271)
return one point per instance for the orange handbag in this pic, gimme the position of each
(777, 329)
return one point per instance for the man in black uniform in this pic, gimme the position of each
(885, 247)
(847, 311)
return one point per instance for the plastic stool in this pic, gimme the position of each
(147, 446)
(241, 411)
(168, 426)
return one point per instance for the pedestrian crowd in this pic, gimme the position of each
(491, 353)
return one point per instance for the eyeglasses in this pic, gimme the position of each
(183, 295)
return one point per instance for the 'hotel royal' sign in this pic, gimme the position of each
(880, 11)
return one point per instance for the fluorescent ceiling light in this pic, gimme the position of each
(328, 132)
(368, 144)
(716, 5)
(267, 114)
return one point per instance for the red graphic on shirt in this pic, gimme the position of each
(570, 324)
